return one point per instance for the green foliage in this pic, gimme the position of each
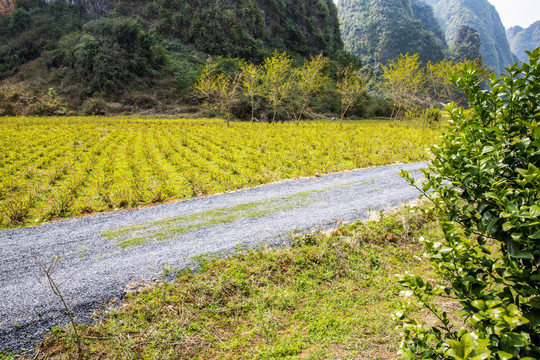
(402, 81)
(278, 81)
(218, 88)
(439, 89)
(249, 29)
(310, 80)
(432, 115)
(111, 54)
(287, 90)
(27, 33)
(252, 89)
(413, 87)
(484, 182)
(351, 85)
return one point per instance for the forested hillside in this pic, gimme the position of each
(103, 49)
(483, 17)
(380, 30)
(524, 39)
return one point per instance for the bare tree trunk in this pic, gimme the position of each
(301, 113)
(343, 115)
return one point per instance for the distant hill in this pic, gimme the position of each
(483, 17)
(380, 30)
(524, 39)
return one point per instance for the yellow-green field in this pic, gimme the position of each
(64, 167)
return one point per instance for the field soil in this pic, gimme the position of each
(100, 258)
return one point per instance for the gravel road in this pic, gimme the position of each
(101, 255)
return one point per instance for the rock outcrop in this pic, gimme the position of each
(483, 17)
(7, 7)
(381, 30)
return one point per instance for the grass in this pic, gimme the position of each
(53, 168)
(328, 296)
(159, 230)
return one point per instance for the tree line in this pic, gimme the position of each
(277, 90)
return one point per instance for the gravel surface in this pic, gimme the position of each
(94, 269)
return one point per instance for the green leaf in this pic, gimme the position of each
(504, 355)
(535, 211)
(507, 226)
(469, 347)
(534, 302)
(513, 340)
(515, 252)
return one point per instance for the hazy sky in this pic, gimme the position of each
(517, 12)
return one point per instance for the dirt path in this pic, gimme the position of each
(101, 255)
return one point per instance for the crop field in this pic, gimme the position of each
(54, 168)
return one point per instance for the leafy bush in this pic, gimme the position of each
(112, 54)
(432, 115)
(485, 182)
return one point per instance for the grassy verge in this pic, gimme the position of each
(328, 296)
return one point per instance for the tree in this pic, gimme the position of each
(252, 89)
(350, 86)
(440, 90)
(403, 82)
(218, 89)
(484, 183)
(277, 81)
(310, 79)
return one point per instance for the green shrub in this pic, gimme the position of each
(94, 106)
(111, 55)
(432, 115)
(485, 182)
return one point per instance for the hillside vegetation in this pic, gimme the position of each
(147, 53)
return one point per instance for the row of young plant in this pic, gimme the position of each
(61, 167)
(277, 89)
